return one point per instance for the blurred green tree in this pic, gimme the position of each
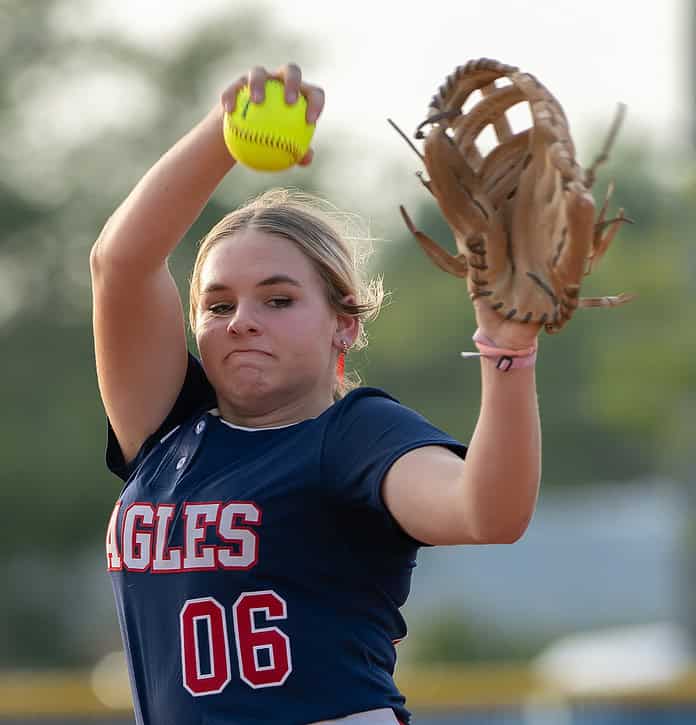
(451, 636)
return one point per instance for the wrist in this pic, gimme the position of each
(505, 358)
(505, 336)
(212, 127)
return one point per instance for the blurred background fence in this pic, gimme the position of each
(482, 695)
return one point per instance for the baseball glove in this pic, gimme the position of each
(522, 215)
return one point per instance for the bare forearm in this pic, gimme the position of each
(148, 225)
(503, 463)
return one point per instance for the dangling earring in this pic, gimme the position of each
(341, 362)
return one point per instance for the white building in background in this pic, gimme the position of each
(597, 556)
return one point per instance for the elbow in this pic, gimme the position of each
(94, 259)
(510, 536)
(100, 265)
(97, 252)
(509, 532)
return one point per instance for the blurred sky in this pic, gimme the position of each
(381, 58)
(386, 59)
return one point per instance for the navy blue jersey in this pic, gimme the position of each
(257, 572)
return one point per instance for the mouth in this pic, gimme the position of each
(249, 351)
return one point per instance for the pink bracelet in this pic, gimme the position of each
(506, 359)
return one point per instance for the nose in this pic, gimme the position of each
(243, 322)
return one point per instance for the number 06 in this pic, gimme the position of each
(249, 639)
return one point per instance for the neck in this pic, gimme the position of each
(269, 414)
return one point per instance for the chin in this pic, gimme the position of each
(255, 395)
(263, 395)
(244, 388)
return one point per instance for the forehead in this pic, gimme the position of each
(252, 255)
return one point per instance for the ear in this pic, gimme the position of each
(347, 327)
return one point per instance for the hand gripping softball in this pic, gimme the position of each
(523, 216)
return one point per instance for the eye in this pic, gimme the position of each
(221, 308)
(280, 302)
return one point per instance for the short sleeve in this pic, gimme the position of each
(196, 395)
(370, 432)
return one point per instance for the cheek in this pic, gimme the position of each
(206, 338)
(308, 329)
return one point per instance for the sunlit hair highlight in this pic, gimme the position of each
(332, 240)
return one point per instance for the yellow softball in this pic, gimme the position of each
(271, 135)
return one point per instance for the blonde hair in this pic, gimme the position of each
(325, 236)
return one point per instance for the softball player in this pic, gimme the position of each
(264, 539)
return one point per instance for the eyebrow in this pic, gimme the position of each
(268, 282)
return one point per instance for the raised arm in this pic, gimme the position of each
(488, 498)
(138, 319)
(139, 329)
